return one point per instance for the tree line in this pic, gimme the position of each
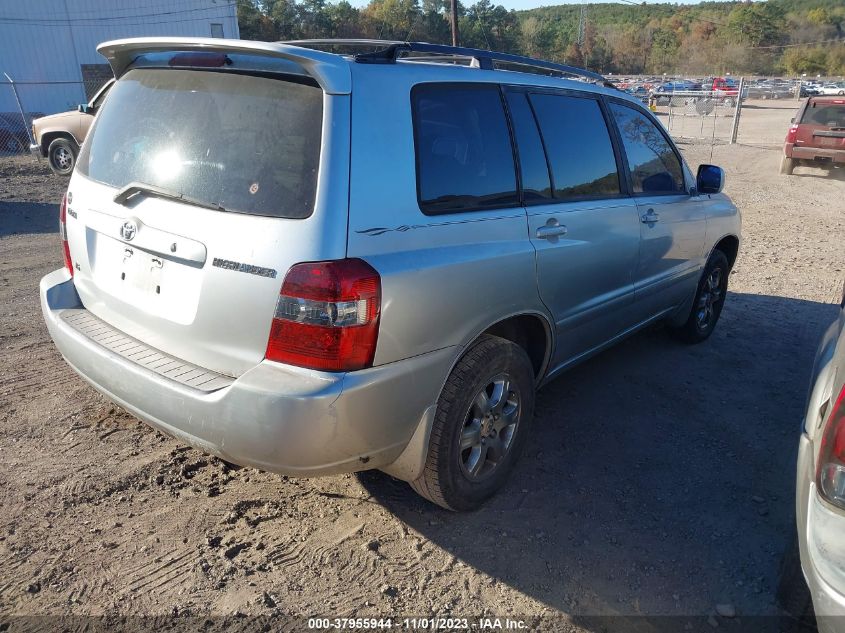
(776, 37)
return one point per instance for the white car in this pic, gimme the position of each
(833, 89)
(816, 558)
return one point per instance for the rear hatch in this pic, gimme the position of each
(822, 125)
(195, 192)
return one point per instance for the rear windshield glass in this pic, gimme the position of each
(246, 143)
(826, 114)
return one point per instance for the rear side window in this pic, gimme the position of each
(463, 148)
(246, 143)
(654, 166)
(578, 146)
(825, 114)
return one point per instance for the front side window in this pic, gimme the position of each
(244, 143)
(578, 146)
(464, 154)
(654, 166)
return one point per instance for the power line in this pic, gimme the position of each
(835, 39)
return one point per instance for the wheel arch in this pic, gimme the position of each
(49, 137)
(532, 332)
(729, 245)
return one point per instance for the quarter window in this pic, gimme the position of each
(578, 146)
(654, 166)
(464, 154)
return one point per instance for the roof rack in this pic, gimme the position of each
(391, 50)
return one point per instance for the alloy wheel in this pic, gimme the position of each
(708, 301)
(489, 427)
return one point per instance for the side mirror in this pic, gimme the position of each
(84, 108)
(710, 179)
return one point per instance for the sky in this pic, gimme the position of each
(532, 4)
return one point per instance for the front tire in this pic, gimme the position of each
(787, 166)
(61, 155)
(483, 418)
(708, 302)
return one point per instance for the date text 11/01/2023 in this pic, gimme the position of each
(429, 624)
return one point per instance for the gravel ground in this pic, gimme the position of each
(659, 479)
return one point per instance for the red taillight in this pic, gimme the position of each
(792, 133)
(327, 316)
(63, 233)
(830, 472)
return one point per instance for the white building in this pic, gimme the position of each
(49, 47)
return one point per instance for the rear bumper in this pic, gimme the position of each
(815, 154)
(274, 417)
(820, 538)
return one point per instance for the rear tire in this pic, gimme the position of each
(708, 302)
(61, 155)
(787, 166)
(483, 418)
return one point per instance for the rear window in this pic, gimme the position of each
(249, 144)
(464, 155)
(824, 113)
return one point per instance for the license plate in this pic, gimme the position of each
(141, 270)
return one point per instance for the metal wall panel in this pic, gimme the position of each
(43, 44)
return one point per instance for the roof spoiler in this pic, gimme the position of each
(330, 71)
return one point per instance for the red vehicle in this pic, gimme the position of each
(816, 136)
(726, 89)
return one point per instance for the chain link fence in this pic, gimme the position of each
(22, 101)
(700, 118)
(749, 115)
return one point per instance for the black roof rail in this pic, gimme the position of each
(392, 50)
(341, 42)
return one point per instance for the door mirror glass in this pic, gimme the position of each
(83, 108)
(710, 179)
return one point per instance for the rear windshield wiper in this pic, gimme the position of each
(140, 188)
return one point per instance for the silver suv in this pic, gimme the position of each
(315, 263)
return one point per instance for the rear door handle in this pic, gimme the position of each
(650, 217)
(551, 229)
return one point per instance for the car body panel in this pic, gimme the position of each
(275, 417)
(821, 526)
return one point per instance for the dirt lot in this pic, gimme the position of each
(658, 480)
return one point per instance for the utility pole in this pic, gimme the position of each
(581, 20)
(455, 23)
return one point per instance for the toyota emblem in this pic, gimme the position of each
(128, 230)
